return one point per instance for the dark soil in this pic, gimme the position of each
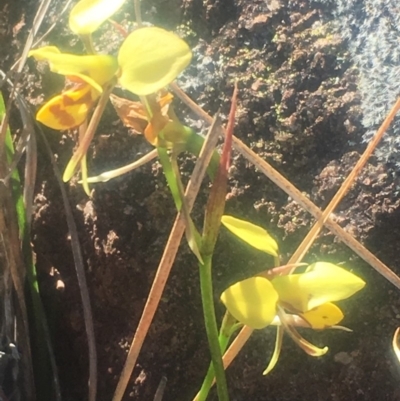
(299, 109)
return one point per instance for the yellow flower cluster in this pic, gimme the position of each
(149, 59)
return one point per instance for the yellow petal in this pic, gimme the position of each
(84, 173)
(67, 110)
(151, 58)
(277, 350)
(321, 283)
(252, 302)
(254, 235)
(305, 345)
(87, 15)
(396, 342)
(323, 316)
(96, 70)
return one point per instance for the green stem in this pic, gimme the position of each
(225, 334)
(88, 43)
(211, 327)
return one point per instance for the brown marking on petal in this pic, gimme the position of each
(62, 116)
(68, 101)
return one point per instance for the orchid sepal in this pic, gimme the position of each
(87, 15)
(95, 70)
(160, 56)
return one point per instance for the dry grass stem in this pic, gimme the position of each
(313, 233)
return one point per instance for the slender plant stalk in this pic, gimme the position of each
(233, 350)
(237, 344)
(212, 223)
(166, 262)
(225, 334)
(87, 41)
(210, 322)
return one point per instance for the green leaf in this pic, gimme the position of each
(323, 282)
(254, 235)
(46, 382)
(170, 177)
(15, 182)
(151, 58)
(252, 302)
(87, 15)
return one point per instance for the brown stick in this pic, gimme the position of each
(312, 234)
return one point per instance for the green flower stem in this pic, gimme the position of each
(211, 327)
(88, 43)
(226, 331)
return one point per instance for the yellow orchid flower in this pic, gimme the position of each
(259, 301)
(90, 73)
(149, 59)
(256, 301)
